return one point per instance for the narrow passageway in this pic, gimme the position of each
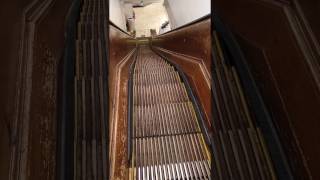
(167, 140)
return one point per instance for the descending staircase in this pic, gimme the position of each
(91, 92)
(167, 142)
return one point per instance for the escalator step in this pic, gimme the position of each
(167, 141)
(178, 155)
(90, 125)
(156, 94)
(164, 119)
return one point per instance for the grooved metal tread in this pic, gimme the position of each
(167, 141)
(90, 94)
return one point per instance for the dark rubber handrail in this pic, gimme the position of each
(194, 100)
(65, 103)
(233, 53)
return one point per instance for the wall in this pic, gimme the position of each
(11, 18)
(32, 40)
(116, 14)
(149, 17)
(184, 11)
(310, 10)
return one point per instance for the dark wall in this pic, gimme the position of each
(10, 33)
(10, 16)
(310, 10)
(47, 49)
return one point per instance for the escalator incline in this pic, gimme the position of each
(166, 137)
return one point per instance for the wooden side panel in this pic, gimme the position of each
(120, 44)
(190, 48)
(193, 40)
(268, 33)
(121, 48)
(33, 44)
(47, 54)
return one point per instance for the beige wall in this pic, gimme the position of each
(182, 12)
(149, 17)
(116, 14)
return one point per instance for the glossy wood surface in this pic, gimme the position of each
(121, 48)
(32, 47)
(190, 48)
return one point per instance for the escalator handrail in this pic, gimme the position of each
(230, 45)
(198, 109)
(65, 103)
